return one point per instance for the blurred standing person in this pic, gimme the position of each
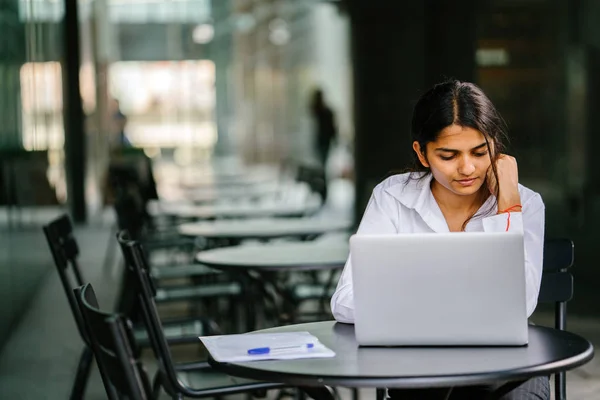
(325, 127)
(119, 122)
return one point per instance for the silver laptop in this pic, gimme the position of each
(439, 289)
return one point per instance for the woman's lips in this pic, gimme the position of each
(467, 182)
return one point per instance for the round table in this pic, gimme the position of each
(274, 257)
(234, 193)
(258, 265)
(263, 228)
(549, 351)
(259, 210)
(227, 175)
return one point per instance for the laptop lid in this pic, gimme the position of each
(463, 288)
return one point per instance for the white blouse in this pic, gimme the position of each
(402, 205)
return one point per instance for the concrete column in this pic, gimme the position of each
(12, 57)
(221, 49)
(75, 147)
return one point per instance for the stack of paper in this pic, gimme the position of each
(265, 346)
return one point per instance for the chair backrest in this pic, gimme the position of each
(137, 266)
(557, 288)
(315, 178)
(113, 345)
(64, 249)
(557, 281)
(129, 202)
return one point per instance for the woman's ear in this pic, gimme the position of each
(420, 154)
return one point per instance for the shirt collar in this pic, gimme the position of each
(415, 193)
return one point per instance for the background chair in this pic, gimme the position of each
(65, 252)
(113, 345)
(201, 381)
(194, 283)
(557, 288)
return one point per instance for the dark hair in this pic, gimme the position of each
(457, 103)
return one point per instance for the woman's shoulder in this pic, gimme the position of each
(408, 180)
(395, 183)
(405, 188)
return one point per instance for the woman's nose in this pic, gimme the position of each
(467, 167)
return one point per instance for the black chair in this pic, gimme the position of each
(202, 380)
(204, 284)
(131, 200)
(315, 178)
(557, 288)
(115, 349)
(130, 187)
(65, 251)
(317, 288)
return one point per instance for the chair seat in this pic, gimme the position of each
(209, 378)
(198, 292)
(309, 291)
(182, 332)
(182, 271)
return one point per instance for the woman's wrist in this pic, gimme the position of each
(510, 203)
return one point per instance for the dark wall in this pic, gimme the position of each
(399, 50)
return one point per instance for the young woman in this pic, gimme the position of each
(461, 181)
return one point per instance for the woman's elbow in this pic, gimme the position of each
(342, 313)
(531, 305)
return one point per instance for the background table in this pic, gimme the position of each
(267, 260)
(246, 210)
(264, 228)
(297, 256)
(549, 351)
(234, 193)
(247, 178)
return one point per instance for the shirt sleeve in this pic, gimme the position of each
(531, 223)
(377, 219)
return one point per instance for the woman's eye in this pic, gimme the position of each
(446, 158)
(480, 154)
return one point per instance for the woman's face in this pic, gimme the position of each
(459, 159)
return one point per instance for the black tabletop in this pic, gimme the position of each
(549, 351)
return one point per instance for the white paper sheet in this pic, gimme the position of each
(282, 346)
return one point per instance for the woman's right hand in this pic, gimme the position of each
(507, 182)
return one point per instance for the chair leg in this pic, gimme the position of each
(83, 373)
(504, 389)
(560, 386)
(109, 255)
(156, 384)
(316, 393)
(301, 395)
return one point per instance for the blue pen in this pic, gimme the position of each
(268, 350)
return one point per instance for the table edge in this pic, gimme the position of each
(408, 382)
(296, 267)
